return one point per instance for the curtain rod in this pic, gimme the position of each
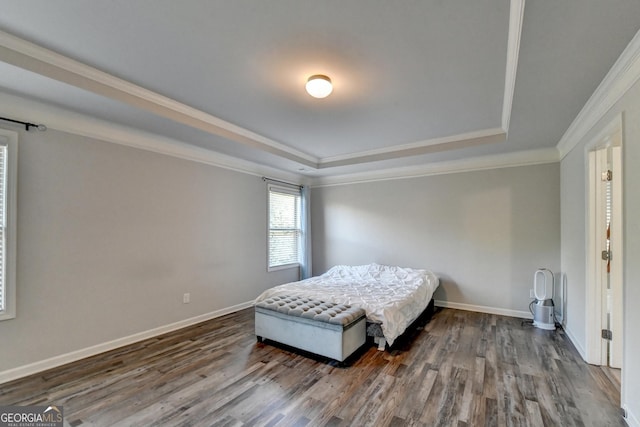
(27, 125)
(265, 179)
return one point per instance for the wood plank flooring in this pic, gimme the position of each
(460, 369)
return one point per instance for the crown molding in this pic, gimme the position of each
(45, 62)
(80, 124)
(484, 136)
(34, 58)
(516, 17)
(620, 78)
(513, 159)
(90, 127)
(475, 138)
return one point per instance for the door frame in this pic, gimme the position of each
(617, 248)
(595, 307)
(596, 312)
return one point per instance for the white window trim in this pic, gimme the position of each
(10, 139)
(284, 189)
(283, 267)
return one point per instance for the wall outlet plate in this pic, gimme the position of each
(531, 293)
(186, 298)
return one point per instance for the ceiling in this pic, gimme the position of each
(417, 82)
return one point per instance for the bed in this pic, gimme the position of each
(392, 297)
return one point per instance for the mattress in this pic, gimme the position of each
(391, 296)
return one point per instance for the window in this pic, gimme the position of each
(8, 163)
(284, 227)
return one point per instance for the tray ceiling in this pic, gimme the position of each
(426, 82)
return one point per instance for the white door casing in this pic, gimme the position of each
(603, 153)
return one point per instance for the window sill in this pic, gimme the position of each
(7, 316)
(283, 267)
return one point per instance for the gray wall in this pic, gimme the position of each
(631, 373)
(574, 243)
(110, 237)
(574, 173)
(484, 233)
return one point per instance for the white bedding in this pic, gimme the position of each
(391, 296)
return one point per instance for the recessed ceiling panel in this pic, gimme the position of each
(402, 73)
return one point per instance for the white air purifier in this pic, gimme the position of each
(543, 284)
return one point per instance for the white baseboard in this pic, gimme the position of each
(43, 365)
(630, 418)
(484, 309)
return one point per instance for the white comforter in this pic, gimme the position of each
(391, 296)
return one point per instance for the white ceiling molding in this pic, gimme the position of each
(58, 119)
(62, 120)
(620, 78)
(513, 159)
(29, 56)
(516, 16)
(417, 148)
(486, 136)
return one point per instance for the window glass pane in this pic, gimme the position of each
(283, 247)
(283, 211)
(284, 227)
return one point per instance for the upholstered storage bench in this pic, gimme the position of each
(324, 328)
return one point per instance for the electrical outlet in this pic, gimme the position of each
(186, 298)
(531, 294)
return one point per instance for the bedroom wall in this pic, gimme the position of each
(484, 233)
(110, 237)
(631, 165)
(574, 243)
(574, 173)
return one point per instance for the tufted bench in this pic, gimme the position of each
(324, 328)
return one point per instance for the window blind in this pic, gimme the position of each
(284, 226)
(3, 225)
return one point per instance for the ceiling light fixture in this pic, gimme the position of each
(319, 86)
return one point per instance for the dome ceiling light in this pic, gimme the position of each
(319, 86)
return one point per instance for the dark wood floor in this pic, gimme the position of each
(461, 369)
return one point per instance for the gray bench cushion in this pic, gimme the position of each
(319, 311)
